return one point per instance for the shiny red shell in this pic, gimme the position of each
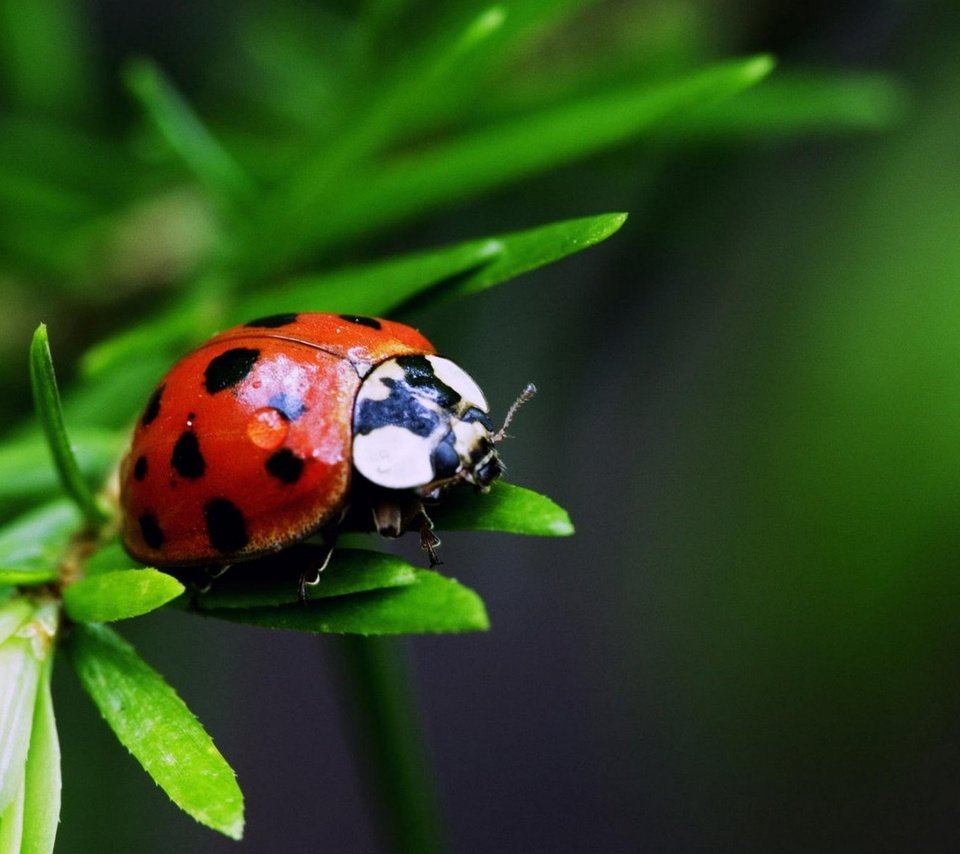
(245, 446)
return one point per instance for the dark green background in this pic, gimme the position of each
(750, 404)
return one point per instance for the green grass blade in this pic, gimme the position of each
(119, 595)
(46, 399)
(433, 604)
(277, 581)
(186, 135)
(155, 725)
(472, 164)
(507, 508)
(447, 273)
(35, 541)
(42, 786)
(26, 577)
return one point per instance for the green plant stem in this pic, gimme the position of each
(390, 735)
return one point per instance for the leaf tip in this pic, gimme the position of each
(758, 67)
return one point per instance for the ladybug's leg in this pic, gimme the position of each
(429, 541)
(317, 564)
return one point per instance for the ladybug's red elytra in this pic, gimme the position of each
(269, 432)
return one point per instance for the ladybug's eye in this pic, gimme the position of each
(488, 472)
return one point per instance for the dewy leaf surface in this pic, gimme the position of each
(432, 604)
(155, 725)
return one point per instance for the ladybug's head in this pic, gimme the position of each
(422, 423)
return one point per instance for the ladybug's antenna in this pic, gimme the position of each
(529, 391)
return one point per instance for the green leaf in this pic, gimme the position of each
(185, 133)
(46, 399)
(42, 785)
(21, 657)
(256, 584)
(13, 614)
(472, 164)
(26, 577)
(508, 508)
(109, 558)
(11, 819)
(27, 471)
(430, 605)
(153, 723)
(794, 103)
(447, 273)
(119, 595)
(36, 540)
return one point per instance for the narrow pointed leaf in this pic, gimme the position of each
(119, 595)
(350, 571)
(42, 785)
(183, 131)
(508, 508)
(46, 399)
(432, 604)
(476, 163)
(36, 540)
(155, 725)
(445, 273)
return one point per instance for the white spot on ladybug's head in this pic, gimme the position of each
(420, 422)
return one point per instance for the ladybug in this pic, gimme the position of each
(270, 432)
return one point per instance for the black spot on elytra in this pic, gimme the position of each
(285, 466)
(186, 458)
(140, 468)
(287, 405)
(360, 320)
(152, 535)
(226, 527)
(152, 409)
(274, 320)
(229, 368)
(445, 460)
(418, 371)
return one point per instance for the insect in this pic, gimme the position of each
(270, 432)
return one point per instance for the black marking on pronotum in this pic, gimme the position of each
(229, 368)
(152, 409)
(186, 458)
(418, 371)
(287, 405)
(226, 527)
(444, 459)
(140, 468)
(360, 320)
(285, 466)
(400, 409)
(150, 529)
(274, 320)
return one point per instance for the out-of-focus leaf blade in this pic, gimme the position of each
(46, 399)
(508, 508)
(469, 165)
(13, 614)
(185, 133)
(37, 539)
(432, 604)
(446, 273)
(795, 103)
(260, 583)
(27, 471)
(41, 812)
(19, 673)
(110, 557)
(119, 595)
(155, 725)
(26, 577)
(11, 819)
